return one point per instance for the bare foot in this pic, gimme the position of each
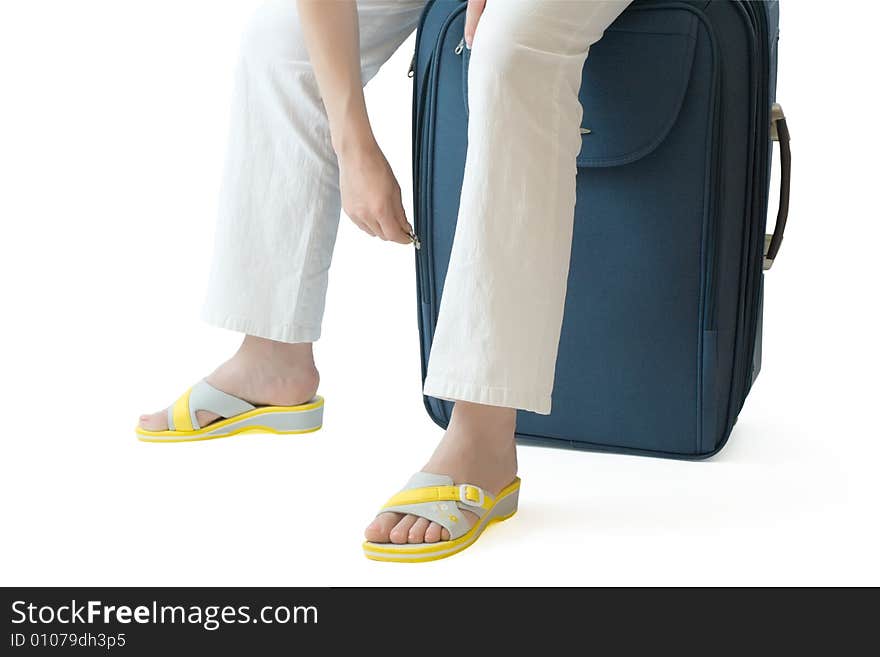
(478, 448)
(262, 372)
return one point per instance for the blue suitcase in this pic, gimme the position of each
(661, 339)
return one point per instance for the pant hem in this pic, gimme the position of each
(280, 333)
(533, 401)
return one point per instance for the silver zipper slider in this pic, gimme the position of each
(460, 47)
(415, 240)
(412, 67)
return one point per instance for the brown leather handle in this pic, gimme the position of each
(779, 132)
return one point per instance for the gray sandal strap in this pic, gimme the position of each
(446, 513)
(205, 397)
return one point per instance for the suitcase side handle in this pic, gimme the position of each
(779, 133)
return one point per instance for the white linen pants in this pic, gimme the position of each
(500, 318)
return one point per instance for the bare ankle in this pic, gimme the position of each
(292, 355)
(266, 372)
(492, 422)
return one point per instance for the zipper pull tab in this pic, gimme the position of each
(415, 240)
(460, 47)
(412, 67)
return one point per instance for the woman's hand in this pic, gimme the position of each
(371, 195)
(474, 11)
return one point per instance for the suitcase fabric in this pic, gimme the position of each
(661, 335)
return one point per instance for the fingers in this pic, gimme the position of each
(389, 224)
(398, 228)
(371, 198)
(388, 229)
(393, 232)
(364, 227)
(474, 11)
(404, 223)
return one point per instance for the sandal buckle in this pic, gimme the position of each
(463, 495)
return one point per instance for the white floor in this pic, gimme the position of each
(792, 500)
(102, 276)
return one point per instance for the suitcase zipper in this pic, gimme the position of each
(753, 250)
(712, 279)
(412, 71)
(426, 115)
(420, 183)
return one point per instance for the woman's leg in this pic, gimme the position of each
(280, 204)
(496, 340)
(501, 312)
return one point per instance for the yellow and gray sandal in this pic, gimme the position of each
(436, 498)
(236, 416)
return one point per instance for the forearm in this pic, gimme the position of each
(332, 38)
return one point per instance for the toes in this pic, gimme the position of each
(159, 421)
(417, 531)
(154, 422)
(379, 531)
(400, 533)
(399, 529)
(433, 533)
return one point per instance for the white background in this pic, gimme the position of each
(112, 137)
